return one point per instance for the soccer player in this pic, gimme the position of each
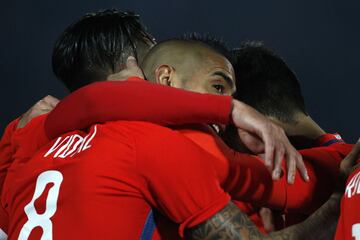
(333, 139)
(266, 83)
(129, 35)
(325, 138)
(253, 68)
(115, 94)
(75, 145)
(231, 215)
(348, 226)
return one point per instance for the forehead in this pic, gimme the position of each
(212, 61)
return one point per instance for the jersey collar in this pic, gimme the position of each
(328, 139)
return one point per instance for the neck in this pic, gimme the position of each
(305, 130)
(303, 133)
(305, 126)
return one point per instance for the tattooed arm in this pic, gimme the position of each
(231, 223)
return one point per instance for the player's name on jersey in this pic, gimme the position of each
(353, 187)
(70, 145)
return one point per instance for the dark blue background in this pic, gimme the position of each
(319, 39)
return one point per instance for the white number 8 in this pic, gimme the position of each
(42, 220)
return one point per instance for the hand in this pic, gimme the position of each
(43, 106)
(131, 70)
(259, 133)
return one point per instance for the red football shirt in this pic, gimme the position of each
(237, 175)
(107, 180)
(349, 221)
(205, 107)
(6, 152)
(322, 162)
(11, 150)
(140, 100)
(246, 190)
(325, 160)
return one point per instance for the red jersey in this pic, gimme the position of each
(6, 152)
(11, 149)
(240, 183)
(324, 159)
(108, 179)
(322, 162)
(246, 184)
(349, 221)
(205, 107)
(288, 197)
(140, 100)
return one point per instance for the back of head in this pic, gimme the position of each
(98, 45)
(265, 82)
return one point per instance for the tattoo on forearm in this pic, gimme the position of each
(229, 223)
(322, 223)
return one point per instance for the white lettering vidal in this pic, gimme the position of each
(71, 145)
(56, 145)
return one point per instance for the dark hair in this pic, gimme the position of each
(265, 82)
(96, 45)
(217, 44)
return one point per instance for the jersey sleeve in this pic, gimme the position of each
(323, 167)
(245, 177)
(181, 180)
(28, 140)
(322, 164)
(135, 100)
(250, 181)
(6, 158)
(6, 150)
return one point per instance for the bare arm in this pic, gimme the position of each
(231, 223)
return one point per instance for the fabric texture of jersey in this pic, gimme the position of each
(321, 161)
(349, 221)
(6, 157)
(292, 202)
(245, 190)
(208, 108)
(325, 157)
(111, 176)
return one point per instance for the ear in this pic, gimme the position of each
(164, 74)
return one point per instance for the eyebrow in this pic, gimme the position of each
(225, 77)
